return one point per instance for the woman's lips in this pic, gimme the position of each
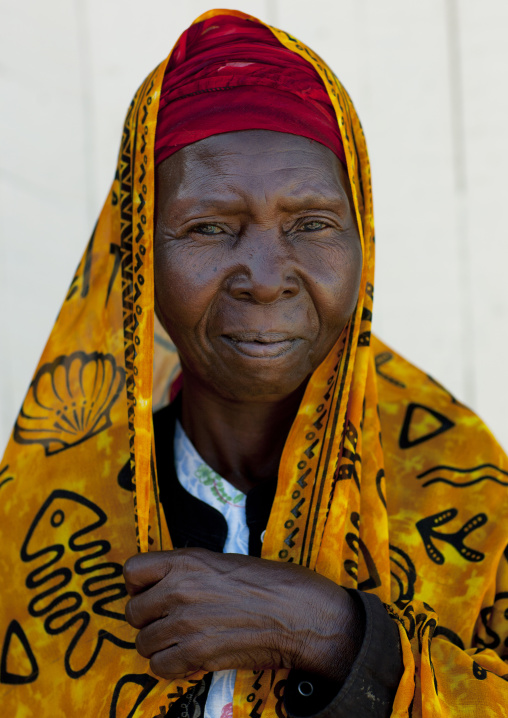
(256, 345)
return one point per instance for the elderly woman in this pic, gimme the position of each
(321, 528)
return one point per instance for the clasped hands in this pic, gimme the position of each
(200, 610)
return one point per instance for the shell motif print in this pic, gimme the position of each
(69, 401)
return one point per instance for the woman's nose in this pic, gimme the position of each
(267, 271)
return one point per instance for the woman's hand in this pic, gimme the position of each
(203, 610)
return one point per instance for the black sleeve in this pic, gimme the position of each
(370, 688)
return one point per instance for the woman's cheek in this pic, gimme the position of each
(336, 277)
(350, 278)
(182, 298)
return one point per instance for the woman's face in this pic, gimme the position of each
(257, 260)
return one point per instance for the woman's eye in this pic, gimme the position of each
(208, 229)
(313, 226)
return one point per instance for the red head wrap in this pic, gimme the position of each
(227, 74)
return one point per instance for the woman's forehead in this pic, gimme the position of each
(226, 164)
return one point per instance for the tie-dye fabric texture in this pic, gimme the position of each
(387, 483)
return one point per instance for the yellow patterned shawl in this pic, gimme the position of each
(387, 483)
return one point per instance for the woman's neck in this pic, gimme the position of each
(241, 441)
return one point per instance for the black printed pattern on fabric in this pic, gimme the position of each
(314, 456)
(403, 573)
(79, 391)
(382, 359)
(357, 546)
(84, 277)
(427, 528)
(142, 683)
(190, 704)
(4, 476)
(463, 477)
(130, 256)
(485, 636)
(7, 676)
(54, 561)
(408, 436)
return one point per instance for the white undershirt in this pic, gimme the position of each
(204, 483)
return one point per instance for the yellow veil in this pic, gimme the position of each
(78, 484)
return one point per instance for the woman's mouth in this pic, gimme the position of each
(261, 345)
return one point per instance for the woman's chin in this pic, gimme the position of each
(260, 372)
(264, 384)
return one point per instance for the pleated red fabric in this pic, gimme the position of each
(228, 74)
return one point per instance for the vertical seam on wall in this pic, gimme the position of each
(458, 140)
(6, 419)
(271, 12)
(85, 79)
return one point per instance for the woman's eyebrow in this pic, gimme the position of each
(236, 203)
(189, 207)
(314, 200)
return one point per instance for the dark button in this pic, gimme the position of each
(305, 689)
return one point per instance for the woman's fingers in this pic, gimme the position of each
(155, 637)
(143, 609)
(145, 569)
(159, 582)
(195, 654)
(175, 662)
(190, 639)
(216, 611)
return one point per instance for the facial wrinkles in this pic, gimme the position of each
(264, 272)
(203, 172)
(258, 200)
(261, 218)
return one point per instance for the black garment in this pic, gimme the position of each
(372, 683)
(193, 522)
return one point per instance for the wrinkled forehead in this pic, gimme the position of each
(255, 161)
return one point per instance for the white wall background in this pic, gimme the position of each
(430, 82)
